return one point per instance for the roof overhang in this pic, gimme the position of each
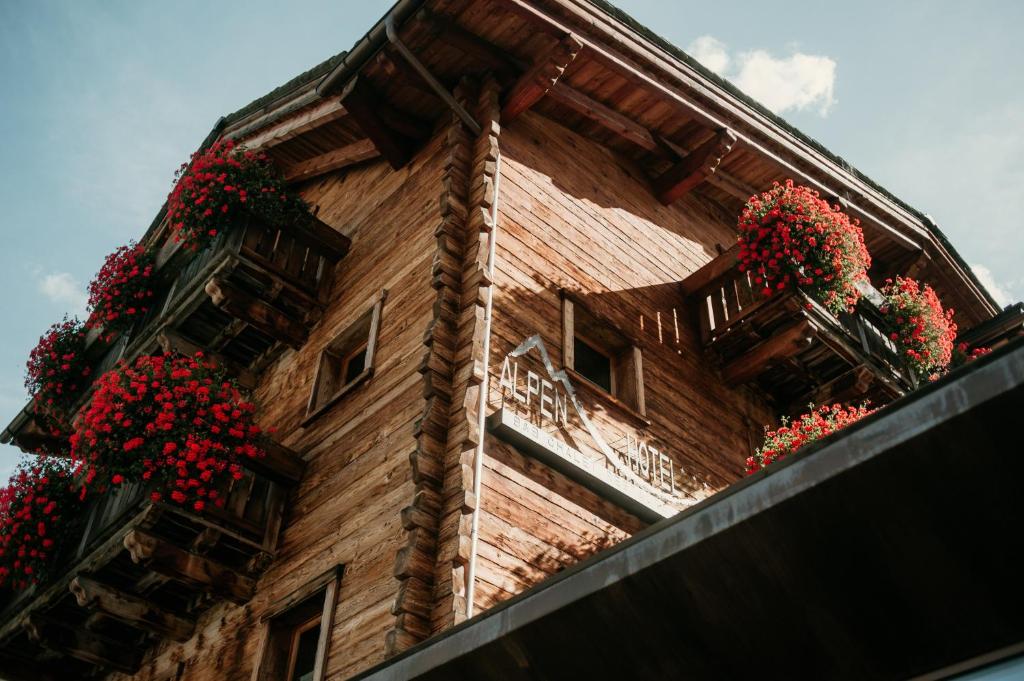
(888, 551)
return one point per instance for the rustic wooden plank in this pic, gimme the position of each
(781, 345)
(605, 116)
(197, 571)
(715, 269)
(300, 123)
(357, 152)
(130, 609)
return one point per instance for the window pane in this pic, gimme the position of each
(592, 365)
(355, 366)
(305, 655)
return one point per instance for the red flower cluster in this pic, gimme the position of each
(963, 354)
(810, 427)
(57, 372)
(173, 421)
(121, 292)
(34, 509)
(924, 331)
(217, 184)
(788, 235)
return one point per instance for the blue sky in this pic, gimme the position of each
(103, 100)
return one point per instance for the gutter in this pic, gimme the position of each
(371, 43)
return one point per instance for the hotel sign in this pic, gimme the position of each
(637, 477)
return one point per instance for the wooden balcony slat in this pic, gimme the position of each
(82, 644)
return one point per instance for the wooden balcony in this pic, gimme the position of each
(789, 347)
(257, 289)
(133, 572)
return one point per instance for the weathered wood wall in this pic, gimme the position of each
(574, 217)
(347, 508)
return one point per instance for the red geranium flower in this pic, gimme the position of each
(121, 292)
(217, 184)
(788, 236)
(924, 331)
(35, 506)
(151, 420)
(808, 428)
(56, 374)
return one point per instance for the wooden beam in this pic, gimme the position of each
(540, 77)
(256, 312)
(130, 609)
(82, 644)
(732, 185)
(604, 116)
(781, 345)
(363, 104)
(357, 152)
(701, 163)
(166, 559)
(711, 271)
(297, 124)
(443, 28)
(280, 464)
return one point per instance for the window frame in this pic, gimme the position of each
(628, 359)
(267, 663)
(336, 361)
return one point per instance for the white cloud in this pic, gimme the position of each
(988, 280)
(794, 83)
(62, 288)
(710, 52)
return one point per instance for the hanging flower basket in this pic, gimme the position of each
(36, 507)
(56, 373)
(808, 428)
(964, 354)
(788, 236)
(122, 292)
(217, 184)
(923, 330)
(174, 422)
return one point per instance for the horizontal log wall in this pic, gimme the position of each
(347, 508)
(573, 216)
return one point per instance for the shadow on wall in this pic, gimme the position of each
(586, 172)
(713, 427)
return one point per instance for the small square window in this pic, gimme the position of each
(297, 632)
(346, 361)
(595, 351)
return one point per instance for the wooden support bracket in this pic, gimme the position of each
(695, 168)
(166, 559)
(782, 345)
(132, 610)
(256, 312)
(81, 644)
(363, 104)
(540, 77)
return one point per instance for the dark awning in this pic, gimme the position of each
(889, 551)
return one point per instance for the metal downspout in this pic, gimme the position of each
(478, 459)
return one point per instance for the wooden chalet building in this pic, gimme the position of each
(513, 336)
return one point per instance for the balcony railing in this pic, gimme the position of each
(132, 572)
(789, 346)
